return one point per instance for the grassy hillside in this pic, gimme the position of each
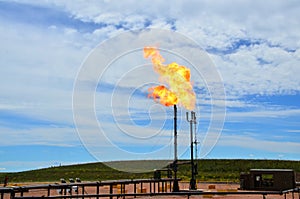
(229, 170)
(209, 170)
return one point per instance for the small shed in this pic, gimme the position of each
(268, 179)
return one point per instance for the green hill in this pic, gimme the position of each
(209, 170)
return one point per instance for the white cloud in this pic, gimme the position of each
(293, 131)
(244, 74)
(50, 135)
(38, 69)
(254, 45)
(257, 144)
(217, 25)
(259, 113)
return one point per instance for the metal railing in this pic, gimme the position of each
(156, 187)
(292, 191)
(78, 190)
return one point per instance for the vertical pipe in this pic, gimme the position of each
(175, 183)
(192, 121)
(192, 156)
(175, 134)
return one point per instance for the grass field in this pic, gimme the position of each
(222, 170)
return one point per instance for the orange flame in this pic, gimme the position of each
(176, 76)
(166, 97)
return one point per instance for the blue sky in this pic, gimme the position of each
(253, 45)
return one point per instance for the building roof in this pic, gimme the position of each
(273, 170)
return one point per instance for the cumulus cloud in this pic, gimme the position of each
(253, 44)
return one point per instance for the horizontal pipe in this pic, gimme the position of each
(181, 193)
(291, 190)
(6, 190)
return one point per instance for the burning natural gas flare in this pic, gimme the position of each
(177, 77)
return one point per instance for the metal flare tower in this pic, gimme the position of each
(192, 122)
(175, 184)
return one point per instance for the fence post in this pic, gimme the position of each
(111, 190)
(98, 191)
(12, 194)
(48, 191)
(134, 187)
(83, 191)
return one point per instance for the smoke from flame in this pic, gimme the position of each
(177, 77)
